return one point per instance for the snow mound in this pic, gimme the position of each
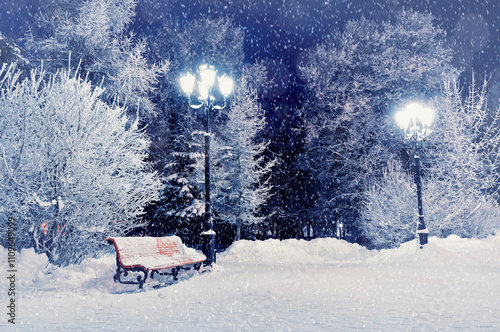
(324, 250)
(450, 250)
(456, 250)
(453, 250)
(95, 276)
(36, 275)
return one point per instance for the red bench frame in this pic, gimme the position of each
(144, 254)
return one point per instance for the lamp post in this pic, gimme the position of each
(415, 121)
(205, 83)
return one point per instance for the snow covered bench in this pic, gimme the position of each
(144, 254)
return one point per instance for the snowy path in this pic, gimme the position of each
(375, 293)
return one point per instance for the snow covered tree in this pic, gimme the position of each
(356, 79)
(239, 172)
(10, 53)
(461, 182)
(388, 217)
(464, 163)
(73, 168)
(217, 41)
(94, 34)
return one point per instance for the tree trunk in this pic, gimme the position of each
(238, 231)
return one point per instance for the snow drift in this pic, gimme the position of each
(323, 284)
(96, 275)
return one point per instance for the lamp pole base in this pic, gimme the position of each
(208, 246)
(423, 237)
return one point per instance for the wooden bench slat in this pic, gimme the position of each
(153, 253)
(143, 254)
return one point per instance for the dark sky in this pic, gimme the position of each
(278, 31)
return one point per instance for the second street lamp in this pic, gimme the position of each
(415, 120)
(206, 85)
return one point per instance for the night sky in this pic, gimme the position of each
(279, 31)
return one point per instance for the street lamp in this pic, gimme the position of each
(415, 121)
(206, 81)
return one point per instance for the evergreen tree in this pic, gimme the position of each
(293, 188)
(239, 173)
(177, 139)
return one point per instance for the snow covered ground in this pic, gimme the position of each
(321, 285)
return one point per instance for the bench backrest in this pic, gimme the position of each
(131, 251)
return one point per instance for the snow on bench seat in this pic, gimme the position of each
(143, 254)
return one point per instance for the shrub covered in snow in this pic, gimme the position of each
(73, 169)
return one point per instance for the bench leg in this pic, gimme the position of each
(116, 277)
(140, 279)
(175, 272)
